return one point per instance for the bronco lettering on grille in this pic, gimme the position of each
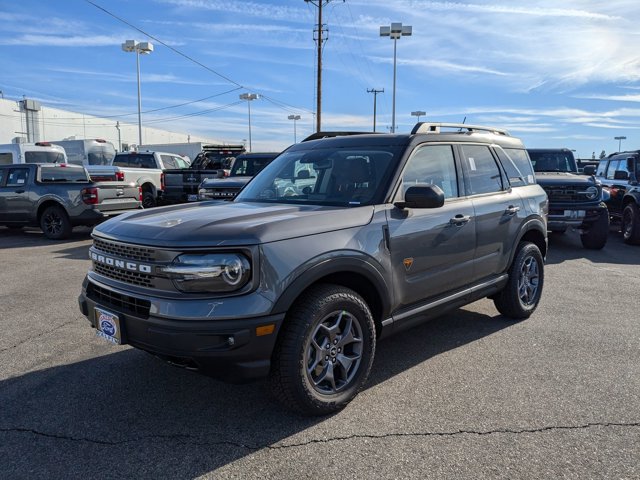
(125, 265)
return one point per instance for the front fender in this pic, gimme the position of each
(337, 262)
(535, 228)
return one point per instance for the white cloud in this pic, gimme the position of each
(33, 40)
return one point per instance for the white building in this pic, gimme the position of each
(30, 121)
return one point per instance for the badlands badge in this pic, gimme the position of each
(407, 262)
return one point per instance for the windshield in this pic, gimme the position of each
(44, 157)
(331, 176)
(553, 161)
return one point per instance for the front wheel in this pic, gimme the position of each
(521, 295)
(324, 352)
(55, 223)
(631, 224)
(596, 237)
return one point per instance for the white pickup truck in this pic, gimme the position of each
(144, 168)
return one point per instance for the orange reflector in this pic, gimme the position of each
(265, 330)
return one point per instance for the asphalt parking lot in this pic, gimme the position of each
(469, 395)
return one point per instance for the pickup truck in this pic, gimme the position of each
(245, 167)
(182, 185)
(147, 169)
(56, 197)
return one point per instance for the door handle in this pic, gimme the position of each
(19, 191)
(512, 210)
(459, 220)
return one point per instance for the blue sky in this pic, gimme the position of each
(556, 74)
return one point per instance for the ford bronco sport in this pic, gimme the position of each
(336, 244)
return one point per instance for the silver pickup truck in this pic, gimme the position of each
(57, 197)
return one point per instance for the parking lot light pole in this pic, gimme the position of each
(144, 48)
(394, 32)
(418, 113)
(619, 141)
(248, 97)
(295, 118)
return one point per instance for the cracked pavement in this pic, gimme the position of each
(464, 396)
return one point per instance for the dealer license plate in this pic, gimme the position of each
(108, 326)
(192, 198)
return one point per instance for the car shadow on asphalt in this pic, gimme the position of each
(566, 247)
(127, 412)
(33, 237)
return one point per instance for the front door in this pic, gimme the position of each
(432, 248)
(14, 195)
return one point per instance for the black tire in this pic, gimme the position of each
(520, 297)
(55, 223)
(149, 199)
(631, 224)
(306, 340)
(596, 237)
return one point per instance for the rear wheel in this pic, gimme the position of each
(631, 224)
(55, 223)
(521, 295)
(324, 352)
(596, 237)
(149, 199)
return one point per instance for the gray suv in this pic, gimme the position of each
(336, 244)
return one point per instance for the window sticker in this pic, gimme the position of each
(472, 164)
(20, 181)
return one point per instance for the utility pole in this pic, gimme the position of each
(320, 29)
(375, 97)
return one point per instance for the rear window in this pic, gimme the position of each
(43, 157)
(135, 160)
(63, 174)
(6, 158)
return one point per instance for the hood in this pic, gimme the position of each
(228, 182)
(209, 224)
(563, 178)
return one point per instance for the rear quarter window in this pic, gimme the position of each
(522, 162)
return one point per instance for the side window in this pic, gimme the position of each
(435, 165)
(521, 161)
(17, 176)
(613, 166)
(2, 171)
(483, 174)
(602, 168)
(168, 161)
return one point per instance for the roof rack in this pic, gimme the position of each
(429, 127)
(319, 135)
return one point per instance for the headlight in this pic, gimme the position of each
(215, 272)
(591, 193)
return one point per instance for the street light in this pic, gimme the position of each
(418, 113)
(144, 48)
(394, 32)
(295, 118)
(248, 97)
(619, 141)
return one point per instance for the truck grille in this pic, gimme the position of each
(120, 302)
(566, 194)
(124, 250)
(134, 278)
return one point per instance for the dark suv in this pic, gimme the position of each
(575, 201)
(337, 243)
(619, 174)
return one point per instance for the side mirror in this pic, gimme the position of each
(589, 170)
(620, 175)
(422, 196)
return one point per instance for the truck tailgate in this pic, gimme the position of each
(116, 196)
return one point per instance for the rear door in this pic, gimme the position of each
(14, 195)
(498, 209)
(432, 248)
(617, 187)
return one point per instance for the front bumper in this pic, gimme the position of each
(575, 215)
(229, 349)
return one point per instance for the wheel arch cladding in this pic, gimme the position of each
(352, 273)
(533, 235)
(46, 204)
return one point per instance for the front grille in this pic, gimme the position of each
(126, 303)
(124, 250)
(127, 276)
(566, 194)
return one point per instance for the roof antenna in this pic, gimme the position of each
(463, 120)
